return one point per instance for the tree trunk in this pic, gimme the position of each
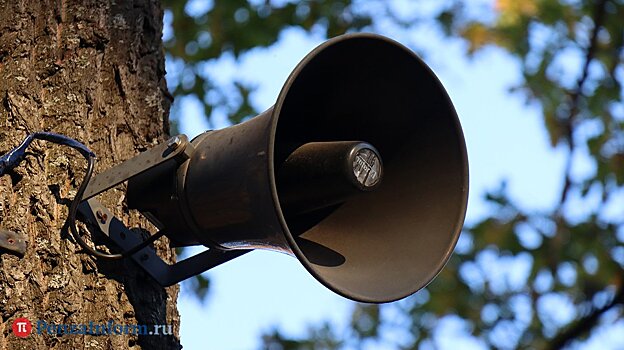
(94, 71)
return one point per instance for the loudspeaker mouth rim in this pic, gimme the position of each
(277, 109)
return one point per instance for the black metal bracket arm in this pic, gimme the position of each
(147, 258)
(179, 149)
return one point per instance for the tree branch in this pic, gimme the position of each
(599, 17)
(586, 323)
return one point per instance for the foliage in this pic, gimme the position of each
(205, 31)
(573, 260)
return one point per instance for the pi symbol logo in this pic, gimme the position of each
(22, 327)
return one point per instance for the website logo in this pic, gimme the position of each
(22, 327)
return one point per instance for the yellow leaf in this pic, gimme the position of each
(477, 35)
(511, 11)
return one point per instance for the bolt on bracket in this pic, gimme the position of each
(12, 242)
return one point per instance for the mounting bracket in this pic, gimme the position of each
(13, 242)
(177, 149)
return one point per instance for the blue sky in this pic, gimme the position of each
(505, 140)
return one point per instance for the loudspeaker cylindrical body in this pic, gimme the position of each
(235, 208)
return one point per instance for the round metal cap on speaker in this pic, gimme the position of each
(367, 167)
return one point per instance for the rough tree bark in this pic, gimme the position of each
(92, 70)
